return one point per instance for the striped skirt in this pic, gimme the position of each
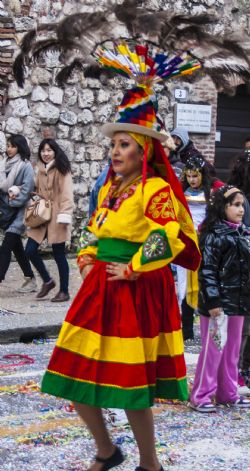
(121, 343)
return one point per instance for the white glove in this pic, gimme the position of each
(14, 190)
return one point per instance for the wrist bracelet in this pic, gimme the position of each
(128, 271)
(83, 261)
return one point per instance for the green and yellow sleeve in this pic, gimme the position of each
(162, 244)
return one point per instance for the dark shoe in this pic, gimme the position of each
(46, 288)
(139, 468)
(60, 297)
(114, 460)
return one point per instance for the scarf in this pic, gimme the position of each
(142, 140)
(233, 225)
(11, 168)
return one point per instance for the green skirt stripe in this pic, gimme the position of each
(116, 250)
(109, 396)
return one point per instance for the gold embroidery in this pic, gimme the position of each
(162, 206)
(185, 220)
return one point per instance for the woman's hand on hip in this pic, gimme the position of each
(118, 271)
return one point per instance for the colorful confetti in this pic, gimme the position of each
(43, 433)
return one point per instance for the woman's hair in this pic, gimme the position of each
(196, 163)
(62, 162)
(20, 142)
(215, 210)
(240, 173)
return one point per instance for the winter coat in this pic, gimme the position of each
(176, 164)
(246, 217)
(53, 185)
(186, 149)
(183, 155)
(224, 274)
(25, 181)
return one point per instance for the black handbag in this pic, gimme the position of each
(7, 213)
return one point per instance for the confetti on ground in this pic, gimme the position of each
(43, 433)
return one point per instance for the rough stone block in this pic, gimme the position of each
(85, 117)
(68, 117)
(56, 95)
(14, 125)
(41, 76)
(47, 113)
(19, 107)
(86, 98)
(39, 94)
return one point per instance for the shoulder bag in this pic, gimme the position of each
(39, 211)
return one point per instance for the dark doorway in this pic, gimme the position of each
(233, 127)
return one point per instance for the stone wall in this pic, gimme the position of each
(74, 115)
(7, 31)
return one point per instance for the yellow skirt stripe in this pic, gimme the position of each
(116, 349)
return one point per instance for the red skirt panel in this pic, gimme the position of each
(121, 343)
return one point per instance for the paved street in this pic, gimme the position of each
(42, 433)
(27, 315)
(39, 432)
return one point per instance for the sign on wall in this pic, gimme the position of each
(192, 117)
(180, 93)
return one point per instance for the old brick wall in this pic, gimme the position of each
(7, 31)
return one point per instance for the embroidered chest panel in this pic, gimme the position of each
(160, 207)
(118, 200)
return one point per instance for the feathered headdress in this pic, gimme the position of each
(76, 36)
(138, 114)
(146, 65)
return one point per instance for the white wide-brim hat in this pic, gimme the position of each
(109, 129)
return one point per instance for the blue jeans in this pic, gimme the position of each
(32, 253)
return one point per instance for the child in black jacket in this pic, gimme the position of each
(223, 301)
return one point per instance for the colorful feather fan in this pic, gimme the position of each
(146, 64)
(223, 59)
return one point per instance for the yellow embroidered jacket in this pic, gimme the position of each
(145, 226)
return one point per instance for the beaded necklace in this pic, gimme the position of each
(115, 197)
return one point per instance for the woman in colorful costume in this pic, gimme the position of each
(121, 343)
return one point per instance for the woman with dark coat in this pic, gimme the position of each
(16, 183)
